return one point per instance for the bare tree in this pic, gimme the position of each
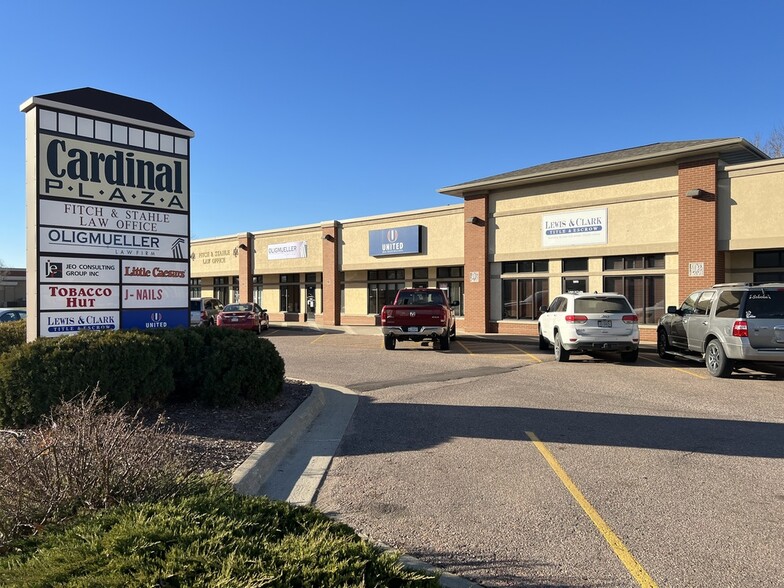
(774, 144)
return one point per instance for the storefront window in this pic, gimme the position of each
(289, 293)
(524, 267)
(258, 289)
(194, 291)
(221, 289)
(235, 289)
(645, 294)
(576, 264)
(451, 279)
(772, 262)
(420, 277)
(382, 287)
(522, 298)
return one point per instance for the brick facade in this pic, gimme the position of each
(697, 226)
(477, 266)
(245, 254)
(330, 282)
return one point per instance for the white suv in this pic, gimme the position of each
(586, 323)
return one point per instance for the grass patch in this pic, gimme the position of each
(206, 536)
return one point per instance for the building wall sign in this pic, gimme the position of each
(567, 229)
(396, 241)
(293, 250)
(108, 201)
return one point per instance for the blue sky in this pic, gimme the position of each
(307, 111)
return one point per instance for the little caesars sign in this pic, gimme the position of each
(108, 214)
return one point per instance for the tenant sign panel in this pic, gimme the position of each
(108, 201)
(395, 241)
(581, 227)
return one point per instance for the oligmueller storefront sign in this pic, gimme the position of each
(108, 193)
(293, 250)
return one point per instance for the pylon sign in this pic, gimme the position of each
(108, 214)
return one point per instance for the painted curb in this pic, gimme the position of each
(253, 472)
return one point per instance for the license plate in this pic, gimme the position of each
(413, 329)
(605, 323)
(235, 320)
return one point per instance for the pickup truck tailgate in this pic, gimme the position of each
(403, 316)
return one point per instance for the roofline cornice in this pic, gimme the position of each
(708, 150)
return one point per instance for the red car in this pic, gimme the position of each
(247, 315)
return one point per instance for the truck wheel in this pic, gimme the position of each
(662, 345)
(443, 342)
(716, 360)
(389, 342)
(544, 344)
(561, 354)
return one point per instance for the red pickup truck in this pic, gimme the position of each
(418, 314)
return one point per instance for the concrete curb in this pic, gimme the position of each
(253, 472)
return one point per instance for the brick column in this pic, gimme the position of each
(477, 267)
(330, 282)
(697, 226)
(245, 245)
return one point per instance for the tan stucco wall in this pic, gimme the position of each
(443, 239)
(751, 206)
(215, 257)
(311, 234)
(642, 215)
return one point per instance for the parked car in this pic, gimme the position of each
(728, 326)
(204, 311)
(12, 314)
(247, 315)
(578, 322)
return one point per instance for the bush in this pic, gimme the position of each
(82, 456)
(208, 537)
(12, 334)
(222, 367)
(131, 367)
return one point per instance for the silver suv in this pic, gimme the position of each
(587, 323)
(728, 325)
(204, 311)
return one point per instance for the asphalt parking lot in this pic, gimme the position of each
(497, 463)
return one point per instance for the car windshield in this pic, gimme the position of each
(238, 308)
(765, 303)
(601, 304)
(195, 304)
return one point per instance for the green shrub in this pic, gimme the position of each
(239, 367)
(130, 367)
(206, 537)
(12, 334)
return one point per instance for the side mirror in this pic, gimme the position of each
(672, 309)
(543, 309)
(263, 310)
(454, 303)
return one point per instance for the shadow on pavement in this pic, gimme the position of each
(413, 427)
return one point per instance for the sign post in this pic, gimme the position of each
(108, 214)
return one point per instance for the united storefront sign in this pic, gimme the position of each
(395, 241)
(108, 201)
(567, 229)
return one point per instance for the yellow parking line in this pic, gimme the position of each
(272, 331)
(317, 338)
(528, 354)
(634, 567)
(682, 370)
(464, 347)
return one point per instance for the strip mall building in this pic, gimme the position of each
(653, 222)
